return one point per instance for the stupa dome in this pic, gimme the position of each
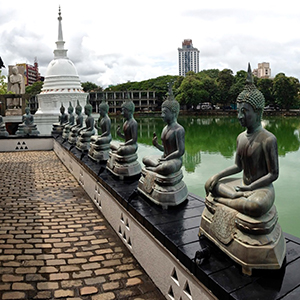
(62, 84)
(58, 67)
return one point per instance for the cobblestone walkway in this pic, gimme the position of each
(54, 243)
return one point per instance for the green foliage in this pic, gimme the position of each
(159, 85)
(34, 89)
(3, 84)
(197, 88)
(285, 90)
(265, 85)
(89, 86)
(212, 73)
(189, 92)
(216, 86)
(225, 80)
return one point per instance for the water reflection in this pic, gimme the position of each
(287, 132)
(210, 145)
(217, 134)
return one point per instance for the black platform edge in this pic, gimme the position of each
(177, 229)
(16, 137)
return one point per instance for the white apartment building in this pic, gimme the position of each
(263, 70)
(188, 58)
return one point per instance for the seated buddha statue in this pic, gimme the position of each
(104, 124)
(27, 127)
(256, 156)
(161, 179)
(172, 138)
(85, 133)
(62, 121)
(240, 216)
(130, 132)
(74, 129)
(123, 157)
(3, 131)
(100, 144)
(70, 123)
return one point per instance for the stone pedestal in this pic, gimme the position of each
(163, 190)
(3, 131)
(72, 139)
(66, 132)
(254, 243)
(27, 131)
(83, 143)
(99, 152)
(57, 128)
(123, 166)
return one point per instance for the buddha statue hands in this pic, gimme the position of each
(155, 142)
(119, 132)
(27, 118)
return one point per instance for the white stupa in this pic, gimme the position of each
(62, 84)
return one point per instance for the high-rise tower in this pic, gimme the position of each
(188, 58)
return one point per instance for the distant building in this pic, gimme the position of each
(188, 58)
(263, 70)
(31, 73)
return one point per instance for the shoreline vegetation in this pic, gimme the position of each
(233, 112)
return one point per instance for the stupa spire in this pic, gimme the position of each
(60, 52)
(60, 35)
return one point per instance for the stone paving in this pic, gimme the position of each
(54, 243)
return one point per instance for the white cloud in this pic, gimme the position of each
(118, 41)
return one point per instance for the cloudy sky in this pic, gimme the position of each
(116, 41)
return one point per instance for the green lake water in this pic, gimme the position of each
(210, 144)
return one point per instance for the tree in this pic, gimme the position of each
(285, 90)
(265, 85)
(238, 84)
(89, 86)
(34, 89)
(190, 92)
(209, 85)
(3, 84)
(225, 80)
(212, 73)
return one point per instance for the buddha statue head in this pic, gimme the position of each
(252, 95)
(62, 109)
(88, 109)
(171, 103)
(128, 104)
(103, 106)
(70, 108)
(27, 110)
(78, 108)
